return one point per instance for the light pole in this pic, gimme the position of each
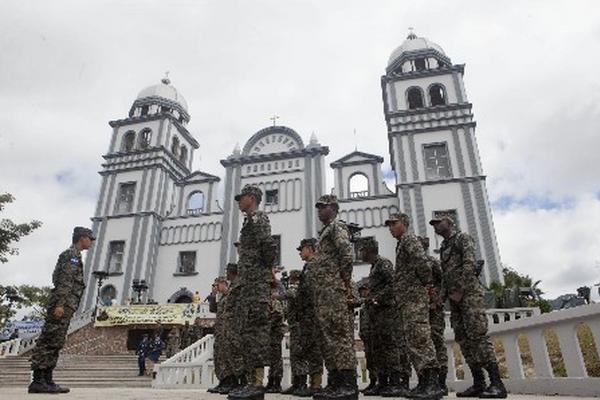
(100, 276)
(139, 286)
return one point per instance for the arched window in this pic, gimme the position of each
(175, 146)
(183, 155)
(128, 141)
(195, 203)
(415, 98)
(359, 185)
(145, 137)
(437, 96)
(107, 294)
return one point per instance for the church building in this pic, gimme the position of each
(159, 221)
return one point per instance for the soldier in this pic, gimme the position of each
(365, 333)
(331, 283)
(227, 380)
(186, 333)
(436, 315)
(392, 366)
(277, 332)
(256, 256)
(467, 309)
(64, 300)
(173, 342)
(412, 274)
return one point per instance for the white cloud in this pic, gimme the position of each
(70, 67)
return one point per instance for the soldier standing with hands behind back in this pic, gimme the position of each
(467, 309)
(64, 300)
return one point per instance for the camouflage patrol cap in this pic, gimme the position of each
(369, 244)
(312, 242)
(326, 200)
(295, 274)
(437, 219)
(232, 268)
(397, 217)
(81, 231)
(251, 190)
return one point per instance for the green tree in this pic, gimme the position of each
(13, 298)
(514, 279)
(11, 232)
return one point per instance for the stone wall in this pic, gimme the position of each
(97, 341)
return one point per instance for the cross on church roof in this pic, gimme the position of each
(166, 79)
(274, 118)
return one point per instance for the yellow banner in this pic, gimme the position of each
(147, 314)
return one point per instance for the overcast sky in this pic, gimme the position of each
(532, 74)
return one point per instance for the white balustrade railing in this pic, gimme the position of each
(10, 348)
(193, 367)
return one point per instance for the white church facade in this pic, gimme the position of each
(159, 221)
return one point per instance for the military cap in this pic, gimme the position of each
(221, 279)
(438, 219)
(251, 190)
(232, 268)
(80, 231)
(326, 200)
(369, 243)
(295, 274)
(396, 217)
(307, 242)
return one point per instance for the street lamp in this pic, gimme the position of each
(139, 286)
(100, 276)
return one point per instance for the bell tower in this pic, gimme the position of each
(433, 150)
(150, 151)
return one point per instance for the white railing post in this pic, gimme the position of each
(539, 353)
(569, 347)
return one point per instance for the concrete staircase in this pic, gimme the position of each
(80, 371)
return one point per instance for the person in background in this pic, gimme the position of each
(196, 297)
(142, 351)
(156, 348)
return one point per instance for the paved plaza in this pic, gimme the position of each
(12, 393)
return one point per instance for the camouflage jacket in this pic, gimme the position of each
(68, 280)
(293, 309)
(365, 323)
(278, 294)
(457, 254)
(381, 282)
(413, 271)
(334, 255)
(436, 287)
(257, 251)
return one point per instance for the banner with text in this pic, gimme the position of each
(149, 314)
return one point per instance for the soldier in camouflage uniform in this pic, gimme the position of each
(277, 332)
(436, 315)
(412, 275)
(365, 332)
(331, 283)
(221, 347)
(391, 360)
(64, 300)
(467, 309)
(256, 256)
(292, 314)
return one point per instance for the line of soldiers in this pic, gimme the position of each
(402, 306)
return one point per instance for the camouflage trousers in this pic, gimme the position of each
(172, 348)
(438, 325)
(414, 317)
(372, 366)
(275, 356)
(51, 341)
(470, 326)
(388, 346)
(253, 325)
(336, 332)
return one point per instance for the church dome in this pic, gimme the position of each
(413, 43)
(164, 90)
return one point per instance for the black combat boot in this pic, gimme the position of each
(382, 381)
(332, 383)
(496, 390)
(430, 389)
(295, 380)
(228, 384)
(478, 383)
(253, 389)
(218, 388)
(373, 379)
(38, 383)
(274, 385)
(443, 374)
(302, 390)
(347, 387)
(50, 382)
(395, 387)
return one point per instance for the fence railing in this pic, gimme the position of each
(193, 367)
(10, 348)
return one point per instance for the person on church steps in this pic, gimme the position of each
(331, 282)
(467, 309)
(64, 300)
(412, 275)
(256, 256)
(142, 352)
